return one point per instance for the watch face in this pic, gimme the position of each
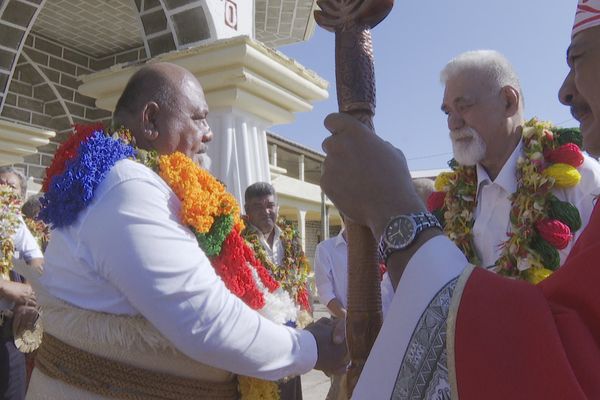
(400, 232)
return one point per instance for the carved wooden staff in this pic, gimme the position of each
(351, 20)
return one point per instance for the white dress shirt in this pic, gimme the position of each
(331, 270)
(492, 212)
(128, 254)
(26, 247)
(331, 273)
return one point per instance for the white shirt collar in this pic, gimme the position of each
(339, 239)
(506, 179)
(264, 237)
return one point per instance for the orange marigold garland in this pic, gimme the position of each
(199, 208)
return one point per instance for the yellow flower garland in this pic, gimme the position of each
(10, 206)
(258, 389)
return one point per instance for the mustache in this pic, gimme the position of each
(578, 110)
(462, 133)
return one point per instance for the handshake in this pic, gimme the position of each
(332, 351)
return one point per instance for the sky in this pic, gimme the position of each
(414, 43)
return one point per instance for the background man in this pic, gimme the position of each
(267, 239)
(424, 187)
(505, 338)
(260, 204)
(18, 305)
(127, 283)
(331, 273)
(331, 279)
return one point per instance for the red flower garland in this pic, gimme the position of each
(232, 266)
(302, 299)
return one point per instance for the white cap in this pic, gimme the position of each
(587, 15)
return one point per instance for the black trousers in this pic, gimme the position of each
(12, 372)
(291, 390)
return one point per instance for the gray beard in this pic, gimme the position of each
(203, 160)
(471, 154)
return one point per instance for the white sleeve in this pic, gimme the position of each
(430, 269)
(583, 196)
(26, 244)
(138, 245)
(323, 276)
(590, 182)
(387, 293)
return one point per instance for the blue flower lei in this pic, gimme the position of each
(74, 189)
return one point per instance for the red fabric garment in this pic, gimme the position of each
(514, 340)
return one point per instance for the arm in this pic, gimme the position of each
(156, 263)
(336, 308)
(324, 277)
(16, 292)
(370, 192)
(29, 251)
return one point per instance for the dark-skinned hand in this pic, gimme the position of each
(331, 345)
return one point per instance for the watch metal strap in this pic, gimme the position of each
(423, 220)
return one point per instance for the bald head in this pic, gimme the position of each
(164, 107)
(424, 187)
(152, 83)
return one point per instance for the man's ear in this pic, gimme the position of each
(149, 115)
(512, 99)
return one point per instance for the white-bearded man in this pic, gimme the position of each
(484, 105)
(458, 331)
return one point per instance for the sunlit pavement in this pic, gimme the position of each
(315, 384)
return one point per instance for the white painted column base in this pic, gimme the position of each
(302, 227)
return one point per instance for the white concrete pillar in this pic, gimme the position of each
(238, 150)
(301, 167)
(302, 227)
(324, 217)
(274, 155)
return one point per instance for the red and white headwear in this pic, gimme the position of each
(587, 15)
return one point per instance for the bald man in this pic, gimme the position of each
(128, 288)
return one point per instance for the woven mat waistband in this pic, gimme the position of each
(118, 380)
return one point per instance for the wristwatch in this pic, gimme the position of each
(402, 230)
